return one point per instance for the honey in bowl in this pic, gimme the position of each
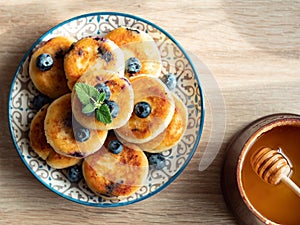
(277, 203)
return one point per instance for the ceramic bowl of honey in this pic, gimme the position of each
(252, 198)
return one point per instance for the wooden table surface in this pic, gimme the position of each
(252, 50)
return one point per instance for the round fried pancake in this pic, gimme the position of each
(115, 175)
(173, 133)
(39, 143)
(153, 91)
(92, 53)
(59, 129)
(138, 44)
(53, 82)
(121, 93)
(132, 145)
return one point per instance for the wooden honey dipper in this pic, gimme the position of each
(273, 166)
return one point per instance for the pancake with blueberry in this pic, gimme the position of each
(39, 143)
(65, 135)
(92, 53)
(46, 68)
(153, 110)
(173, 133)
(140, 51)
(91, 112)
(116, 170)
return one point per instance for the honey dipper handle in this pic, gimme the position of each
(291, 184)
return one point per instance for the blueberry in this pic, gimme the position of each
(77, 154)
(44, 62)
(81, 134)
(110, 188)
(74, 173)
(104, 88)
(157, 161)
(105, 54)
(142, 109)
(169, 80)
(115, 146)
(113, 108)
(39, 101)
(133, 65)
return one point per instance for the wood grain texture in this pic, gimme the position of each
(250, 47)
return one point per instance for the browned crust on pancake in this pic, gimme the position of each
(124, 35)
(149, 89)
(53, 82)
(39, 143)
(115, 175)
(92, 52)
(37, 136)
(59, 125)
(59, 161)
(173, 133)
(141, 127)
(137, 43)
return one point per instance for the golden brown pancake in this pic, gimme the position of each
(173, 133)
(39, 143)
(53, 82)
(92, 53)
(59, 129)
(115, 175)
(121, 93)
(153, 91)
(138, 44)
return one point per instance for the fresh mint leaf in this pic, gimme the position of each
(86, 92)
(101, 97)
(89, 108)
(92, 100)
(100, 100)
(103, 114)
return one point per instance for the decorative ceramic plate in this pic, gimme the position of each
(175, 60)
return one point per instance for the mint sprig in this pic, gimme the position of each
(103, 114)
(93, 101)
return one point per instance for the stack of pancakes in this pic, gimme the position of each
(96, 60)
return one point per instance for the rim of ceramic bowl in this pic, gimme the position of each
(285, 121)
